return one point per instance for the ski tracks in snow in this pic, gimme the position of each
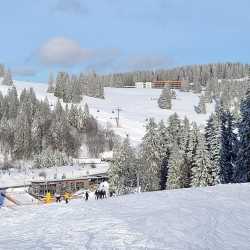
(56, 226)
(213, 218)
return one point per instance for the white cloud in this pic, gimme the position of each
(63, 52)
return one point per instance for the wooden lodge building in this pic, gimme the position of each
(173, 84)
(91, 182)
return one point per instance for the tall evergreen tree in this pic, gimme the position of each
(165, 99)
(86, 110)
(242, 171)
(76, 90)
(177, 169)
(228, 147)
(67, 91)
(13, 103)
(83, 84)
(150, 158)
(174, 129)
(213, 145)
(201, 171)
(197, 87)
(22, 137)
(164, 153)
(74, 116)
(201, 109)
(123, 174)
(191, 149)
(61, 80)
(51, 84)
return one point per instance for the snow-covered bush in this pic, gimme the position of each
(48, 159)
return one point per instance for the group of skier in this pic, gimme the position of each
(100, 194)
(58, 197)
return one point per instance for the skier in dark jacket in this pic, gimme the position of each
(96, 194)
(86, 196)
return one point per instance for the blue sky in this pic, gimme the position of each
(120, 35)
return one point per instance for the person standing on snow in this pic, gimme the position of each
(66, 197)
(86, 196)
(58, 197)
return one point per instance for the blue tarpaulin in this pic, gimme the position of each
(1, 199)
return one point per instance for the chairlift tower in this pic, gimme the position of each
(117, 118)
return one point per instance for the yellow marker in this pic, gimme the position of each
(48, 198)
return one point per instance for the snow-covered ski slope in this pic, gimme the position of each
(215, 218)
(137, 105)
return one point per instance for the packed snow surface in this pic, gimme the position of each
(137, 105)
(213, 218)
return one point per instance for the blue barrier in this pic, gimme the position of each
(2, 198)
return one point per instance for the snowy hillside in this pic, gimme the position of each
(137, 105)
(214, 218)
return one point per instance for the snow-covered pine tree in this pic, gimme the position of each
(177, 169)
(123, 173)
(150, 158)
(85, 119)
(74, 116)
(58, 111)
(51, 84)
(2, 106)
(174, 129)
(192, 145)
(45, 159)
(28, 104)
(184, 145)
(202, 105)
(13, 103)
(83, 84)
(100, 90)
(242, 170)
(68, 91)
(164, 153)
(61, 80)
(213, 145)
(228, 147)
(173, 94)
(7, 129)
(86, 110)
(197, 87)
(61, 159)
(22, 137)
(7, 78)
(201, 170)
(36, 135)
(58, 129)
(165, 99)
(184, 134)
(92, 84)
(76, 90)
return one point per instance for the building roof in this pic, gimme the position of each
(96, 176)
